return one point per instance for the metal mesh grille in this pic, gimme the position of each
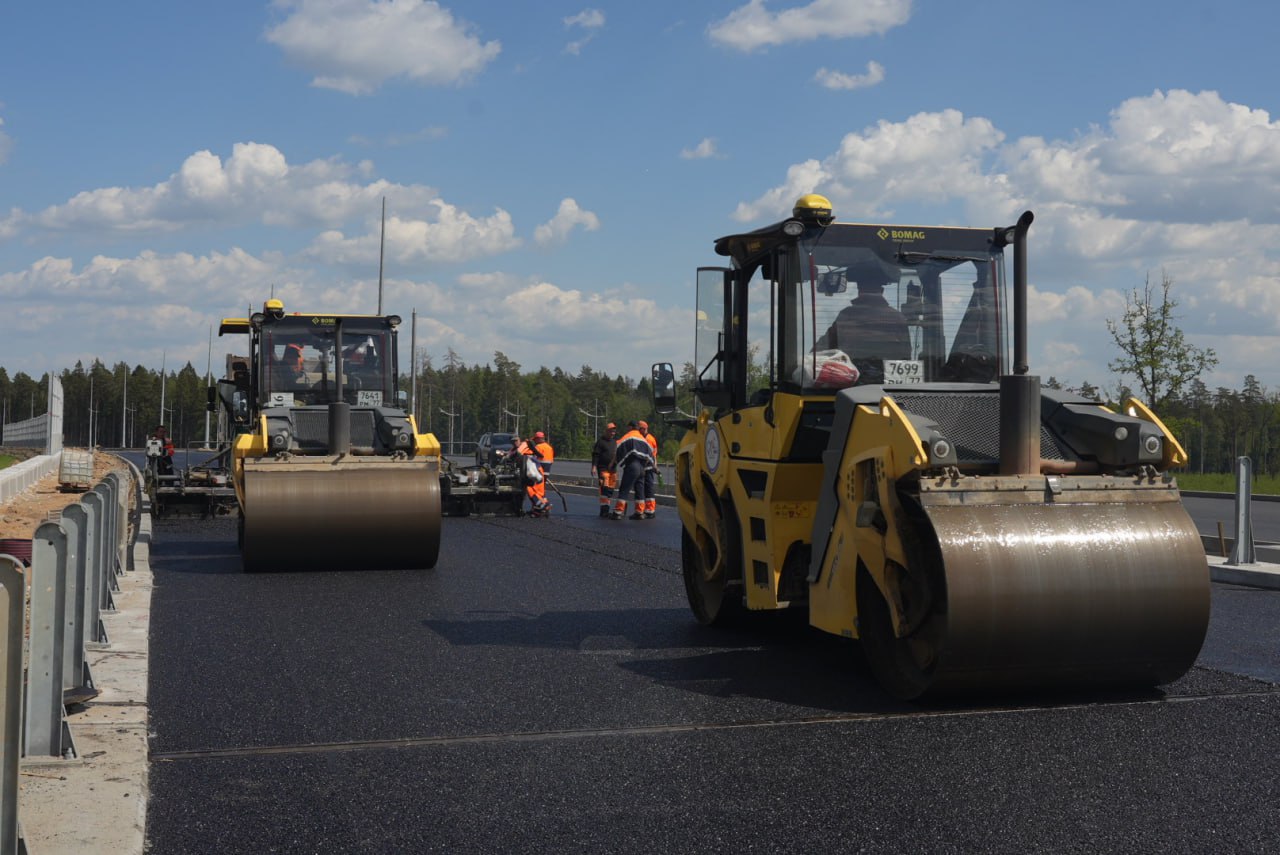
(971, 420)
(311, 429)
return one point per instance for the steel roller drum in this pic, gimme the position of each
(1069, 594)
(348, 513)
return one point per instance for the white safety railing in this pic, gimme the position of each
(75, 562)
(18, 477)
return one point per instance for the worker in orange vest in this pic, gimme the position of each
(650, 475)
(634, 458)
(544, 455)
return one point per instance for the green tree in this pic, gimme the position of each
(1153, 349)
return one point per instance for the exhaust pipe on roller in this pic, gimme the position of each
(339, 410)
(1019, 391)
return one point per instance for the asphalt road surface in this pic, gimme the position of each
(545, 689)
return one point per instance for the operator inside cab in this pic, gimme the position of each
(869, 330)
(289, 370)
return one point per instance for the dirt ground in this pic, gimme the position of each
(42, 501)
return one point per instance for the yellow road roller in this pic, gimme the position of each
(329, 470)
(889, 468)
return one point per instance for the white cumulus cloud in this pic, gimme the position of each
(255, 184)
(452, 235)
(701, 151)
(753, 26)
(590, 20)
(355, 46)
(1176, 156)
(839, 80)
(557, 229)
(933, 156)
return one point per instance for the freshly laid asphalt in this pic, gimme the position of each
(545, 689)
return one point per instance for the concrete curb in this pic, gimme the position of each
(1202, 494)
(1258, 575)
(98, 801)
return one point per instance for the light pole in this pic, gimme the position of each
(162, 378)
(413, 364)
(451, 416)
(516, 416)
(595, 416)
(208, 381)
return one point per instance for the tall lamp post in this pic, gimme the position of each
(516, 416)
(595, 416)
(451, 416)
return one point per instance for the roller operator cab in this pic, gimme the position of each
(329, 470)
(865, 448)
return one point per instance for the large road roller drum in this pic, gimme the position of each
(327, 513)
(1039, 594)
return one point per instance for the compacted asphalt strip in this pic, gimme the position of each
(545, 688)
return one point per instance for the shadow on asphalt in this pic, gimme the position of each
(778, 658)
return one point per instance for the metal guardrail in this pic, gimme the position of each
(75, 562)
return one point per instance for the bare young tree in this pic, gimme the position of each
(1153, 349)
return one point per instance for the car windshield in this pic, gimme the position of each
(499, 440)
(855, 312)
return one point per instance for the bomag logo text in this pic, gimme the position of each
(326, 322)
(901, 234)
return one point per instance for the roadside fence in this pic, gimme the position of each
(75, 564)
(18, 477)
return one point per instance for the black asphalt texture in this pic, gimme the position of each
(545, 689)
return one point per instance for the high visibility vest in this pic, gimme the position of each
(633, 445)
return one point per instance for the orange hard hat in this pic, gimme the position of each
(642, 425)
(539, 435)
(610, 426)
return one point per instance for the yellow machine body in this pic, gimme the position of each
(329, 471)
(970, 534)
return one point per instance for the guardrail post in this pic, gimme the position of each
(77, 681)
(95, 632)
(101, 570)
(1242, 551)
(109, 561)
(13, 585)
(120, 489)
(45, 732)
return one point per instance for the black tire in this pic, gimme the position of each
(713, 602)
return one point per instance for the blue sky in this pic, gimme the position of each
(554, 172)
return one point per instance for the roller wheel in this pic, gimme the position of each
(903, 666)
(249, 562)
(707, 596)
(1024, 596)
(906, 665)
